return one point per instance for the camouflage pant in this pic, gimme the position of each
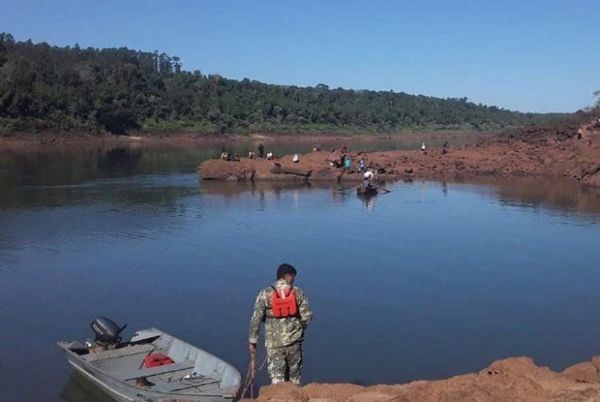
(285, 363)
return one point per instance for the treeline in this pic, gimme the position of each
(45, 87)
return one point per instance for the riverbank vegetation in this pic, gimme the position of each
(44, 87)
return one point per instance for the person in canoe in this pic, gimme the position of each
(367, 189)
(286, 313)
(367, 177)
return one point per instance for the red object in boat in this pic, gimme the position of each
(157, 359)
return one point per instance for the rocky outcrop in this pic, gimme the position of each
(316, 166)
(567, 152)
(513, 379)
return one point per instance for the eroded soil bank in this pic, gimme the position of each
(513, 379)
(562, 151)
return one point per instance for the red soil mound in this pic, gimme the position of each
(566, 151)
(513, 379)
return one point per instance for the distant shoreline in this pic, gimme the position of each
(53, 141)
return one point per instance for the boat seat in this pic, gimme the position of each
(151, 371)
(174, 386)
(115, 353)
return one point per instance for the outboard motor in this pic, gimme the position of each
(107, 331)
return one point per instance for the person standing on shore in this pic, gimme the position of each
(286, 313)
(445, 148)
(362, 165)
(261, 151)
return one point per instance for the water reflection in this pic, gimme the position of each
(557, 195)
(120, 160)
(76, 166)
(368, 201)
(120, 194)
(230, 191)
(79, 389)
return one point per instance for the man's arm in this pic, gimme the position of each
(304, 310)
(257, 318)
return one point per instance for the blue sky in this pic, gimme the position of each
(525, 55)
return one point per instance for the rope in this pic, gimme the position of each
(264, 362)
(248, 383)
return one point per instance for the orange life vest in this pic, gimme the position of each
(284, 305)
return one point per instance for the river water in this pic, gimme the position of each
(428, 281)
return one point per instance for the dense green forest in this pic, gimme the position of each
(45, 87)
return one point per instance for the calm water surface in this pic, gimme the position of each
(430, 280)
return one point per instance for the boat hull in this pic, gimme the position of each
(110, 386)
(120, 384)
(366, 191)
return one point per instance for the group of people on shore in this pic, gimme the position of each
(229, 156)
(444, 148)
(261, 153)
(234, 157)
(344, 162)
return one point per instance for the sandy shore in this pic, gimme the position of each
(513, 379)
(564, 151)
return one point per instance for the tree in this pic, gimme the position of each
(177, 64)
(118, 90)
(116, 120)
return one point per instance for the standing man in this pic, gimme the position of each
(285, 311)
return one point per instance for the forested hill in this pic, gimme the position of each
(68, 88)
